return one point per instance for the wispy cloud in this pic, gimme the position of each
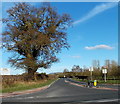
(75, 56)
(99, 47)
(96, 10)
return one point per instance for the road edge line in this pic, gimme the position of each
(53, 82)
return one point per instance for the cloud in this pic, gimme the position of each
(99, 47)
(96, 10)
(75, 56)
(4, 71)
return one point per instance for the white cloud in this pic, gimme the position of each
(75, 56)
(4, 71)
(99, 47)
(96, 10)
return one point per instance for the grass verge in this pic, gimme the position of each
(109, 82)
(20, 86)
(79, 80)
(100, 81)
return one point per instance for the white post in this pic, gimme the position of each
(91, 69)
(105, 77)
(91, 74)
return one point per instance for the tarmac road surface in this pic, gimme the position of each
(62, 92)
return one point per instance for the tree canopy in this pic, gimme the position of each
(35, 34)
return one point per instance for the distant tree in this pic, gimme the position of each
(114, 69)
(108, 64)
(85, 67)
(96, 64)
(76, 68)
(36, 35)
(114, 64)
(66, 70)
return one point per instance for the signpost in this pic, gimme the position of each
(91, 70)
(104, 71)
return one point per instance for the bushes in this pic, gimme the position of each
(12, 80)
(19, 86)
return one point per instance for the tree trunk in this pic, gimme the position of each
(31, 73)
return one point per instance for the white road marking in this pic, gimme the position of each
(25, 97)
(102, 100)
(95, 101)
(53, 82)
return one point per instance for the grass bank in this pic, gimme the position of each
(109, 82)
(20, 86)
(100, 81)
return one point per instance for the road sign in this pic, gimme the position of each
(104, 71)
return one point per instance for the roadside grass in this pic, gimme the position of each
(109, 82)
(81, 80)
(100, 81)
(20, 86)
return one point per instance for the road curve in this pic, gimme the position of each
(63, 92)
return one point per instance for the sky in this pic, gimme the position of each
(93, 35)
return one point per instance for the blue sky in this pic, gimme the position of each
(94, 34)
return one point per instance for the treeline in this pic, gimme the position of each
(113, 70)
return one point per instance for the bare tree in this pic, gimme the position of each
(96, 64)
(108, 64)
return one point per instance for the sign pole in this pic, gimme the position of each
(104, 71)
(91, 75)
(91, 69)
(105, 77)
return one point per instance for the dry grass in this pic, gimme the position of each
(22, 85)
(16, 82)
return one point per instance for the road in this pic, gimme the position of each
(66, 93)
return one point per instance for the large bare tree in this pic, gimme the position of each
(35, 34)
